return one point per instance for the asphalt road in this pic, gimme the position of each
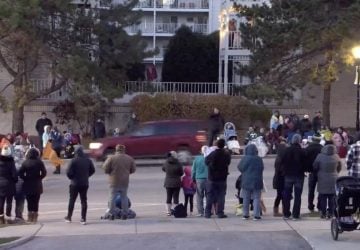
(152, 229)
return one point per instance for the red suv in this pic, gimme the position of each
(155, 139)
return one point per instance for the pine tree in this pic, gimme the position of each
(296, 42)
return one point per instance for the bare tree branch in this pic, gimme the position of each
(4, 63)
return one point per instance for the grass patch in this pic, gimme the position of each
(7, 240)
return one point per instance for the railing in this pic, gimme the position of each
(174, 4)
(42, 84)
(204, 88)
(165, 28)
(235, 40)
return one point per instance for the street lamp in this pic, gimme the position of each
(356, 54)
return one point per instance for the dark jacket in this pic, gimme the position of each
(278, 180)
(216, 122)
(99, 130)
(56, 140)
(32, 171)
(8, 176)
(174, 171)
(316, 123)
(293, 162)
(41, 123)
(218, 162)
(80, 169)
(251, 167)
(327, 165)
(311, 152)
(305, 125)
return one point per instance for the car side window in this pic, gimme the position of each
(164, 129)
(146, 130)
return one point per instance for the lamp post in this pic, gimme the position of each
(356, 54)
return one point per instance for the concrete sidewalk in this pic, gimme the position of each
(316, 232)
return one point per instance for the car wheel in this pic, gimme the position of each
(184, 156)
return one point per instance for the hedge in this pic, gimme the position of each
(175, 106)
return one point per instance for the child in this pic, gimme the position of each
(189, 188)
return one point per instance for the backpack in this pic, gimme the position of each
(179, 211)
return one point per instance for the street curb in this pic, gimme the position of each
(22, 240)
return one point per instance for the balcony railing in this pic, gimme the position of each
(166, 28)
(174, 4)
(235, 40)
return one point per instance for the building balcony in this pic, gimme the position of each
(173, 4)
(165, 28)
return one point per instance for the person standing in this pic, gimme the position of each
(353, 158)
(173, 172)
(8, 179)
(293, 167)
(40, 125)
(79, 170)
(277, 122)
(57, 145)
(218, 162)
(312, 152)
(199, 174)
(327, 165)
(251, 167)
(189, 189)
(119, 167)
(216, 125)
(99, 129)
(317, 122)
(306, 127)
(32, 171)
(133, 123)
(278, 180)
(341, 141)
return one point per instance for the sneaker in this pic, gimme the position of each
(83, 222)
(67, 219)
(257, 218)
(295, 218)
(323, 216)
(245, 217)
(286, 217)
(123, 217)
(207, 216)
(199, 215)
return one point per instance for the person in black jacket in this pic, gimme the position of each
(216, 125)
(8, 179)
(293, 168)
(278, 180)
(99, 129)
(218, 162)
(32, 171)
(311, 153)
(40, 125)
(79, 170)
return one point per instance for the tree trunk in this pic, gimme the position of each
(18, 119)
(326, 105)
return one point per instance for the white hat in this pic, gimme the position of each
(6, 151)
(306, 116)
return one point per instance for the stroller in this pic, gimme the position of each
(347, 205)
(70, 141)
(231, 138)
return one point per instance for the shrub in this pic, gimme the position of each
(175, 106)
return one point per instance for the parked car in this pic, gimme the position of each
(155, 139)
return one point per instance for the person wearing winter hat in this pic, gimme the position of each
(293, 163)
(312, 152)
(32, 171)
(173, 170)
(8, 179)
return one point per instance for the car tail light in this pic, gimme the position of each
(200, 137)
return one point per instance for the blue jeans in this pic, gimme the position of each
(293, 183)
(247, 196)
(114, 191)
(200, 194)
(215, 194)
